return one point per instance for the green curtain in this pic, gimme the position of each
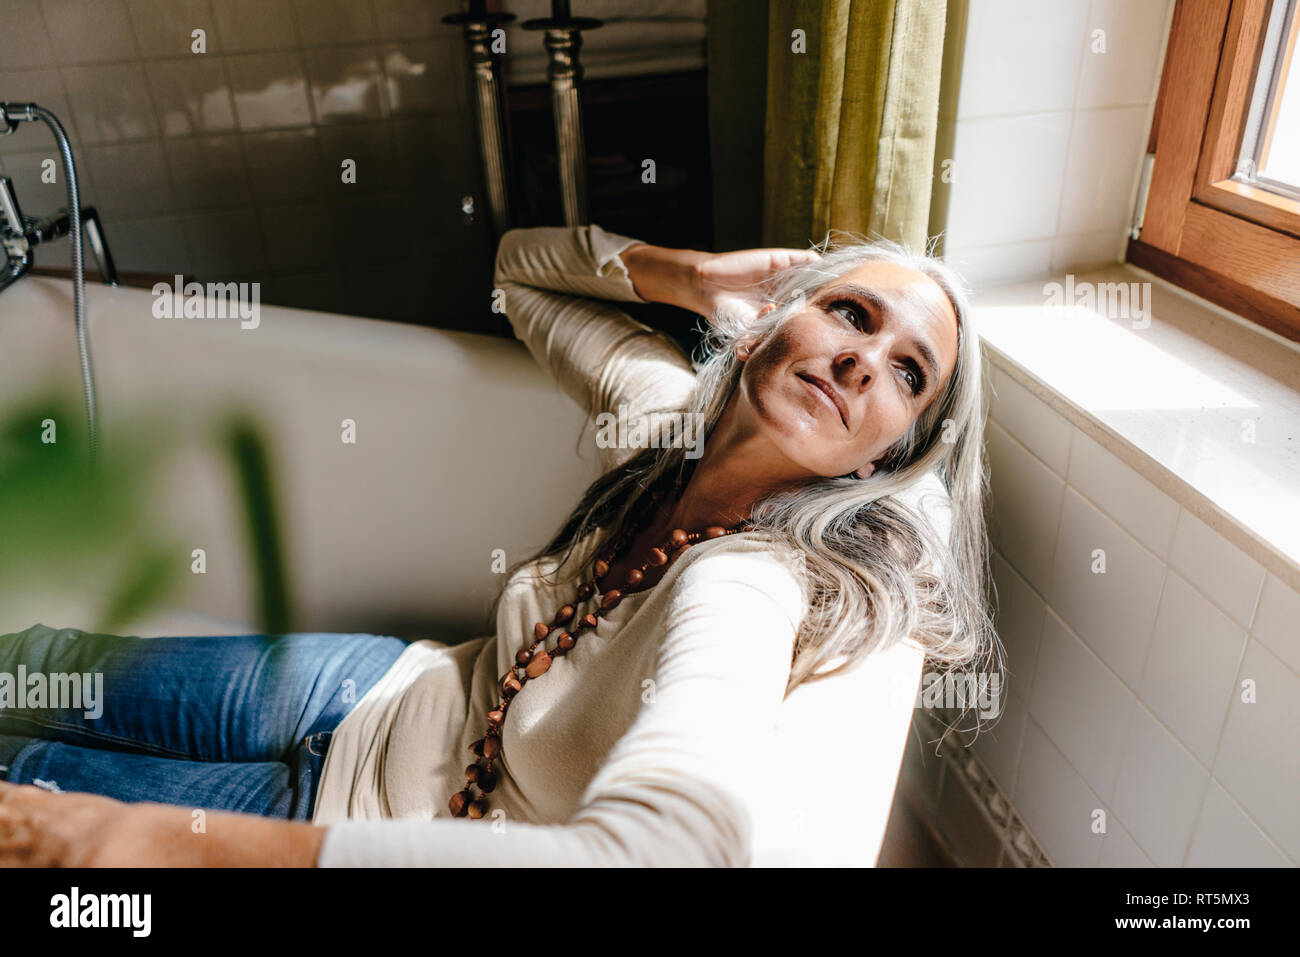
(851, 123)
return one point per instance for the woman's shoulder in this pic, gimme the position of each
(757, 547)
(741, 568)
(747, 567)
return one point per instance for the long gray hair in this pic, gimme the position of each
(876, 571)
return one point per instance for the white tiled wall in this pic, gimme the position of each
(1050, 130)
(1153, 707)
(1161, 694)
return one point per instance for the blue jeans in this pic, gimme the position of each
(237, 723)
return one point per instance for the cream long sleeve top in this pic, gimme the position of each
(640, 745)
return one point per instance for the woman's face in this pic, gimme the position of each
(842, 379)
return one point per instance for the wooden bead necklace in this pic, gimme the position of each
(534, 661)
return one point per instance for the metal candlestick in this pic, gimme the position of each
(489, 108)
(563, 41)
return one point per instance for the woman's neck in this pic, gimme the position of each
(738, 468)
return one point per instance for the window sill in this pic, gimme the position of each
(1201, 404)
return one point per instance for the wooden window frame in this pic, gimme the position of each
(1232, 243)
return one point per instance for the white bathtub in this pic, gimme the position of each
(463, 446)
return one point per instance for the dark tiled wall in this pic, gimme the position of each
(227, 165)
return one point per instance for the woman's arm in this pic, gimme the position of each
(559, 283)
(43, 829)
(671, 276)
(559, 286)
(677, 787)
(705, 283)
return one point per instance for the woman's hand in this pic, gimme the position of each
(43, 829)
(708, 282)
(736, 282)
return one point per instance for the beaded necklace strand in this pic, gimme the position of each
(534, 661)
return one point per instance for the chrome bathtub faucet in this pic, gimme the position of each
(20, 234)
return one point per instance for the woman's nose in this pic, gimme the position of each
(858, 366)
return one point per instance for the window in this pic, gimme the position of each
(1223, 207)
(1270, 149)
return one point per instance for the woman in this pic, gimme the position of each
(617, 716)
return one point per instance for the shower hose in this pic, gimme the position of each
(30, 111)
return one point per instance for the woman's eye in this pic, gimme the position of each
(915, 381)
(849, 311)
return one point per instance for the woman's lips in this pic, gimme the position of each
(828, 395)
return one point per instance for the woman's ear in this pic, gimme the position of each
(745, 345)
(868, 470)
